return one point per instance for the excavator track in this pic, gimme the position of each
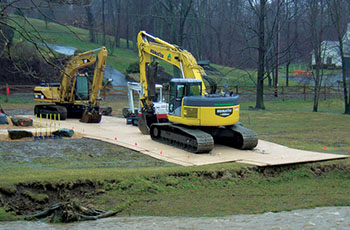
(193, 140)
(236, 136)
(51, 109)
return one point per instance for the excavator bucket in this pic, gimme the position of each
(142, 124)
(145, 122)
(1, 110)
(91, 117)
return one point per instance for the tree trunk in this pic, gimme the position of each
(337, 11)
(112, 8)
(317, 88)
(287, 74)
(344, 72)
(346, 97)
(117, 33)
(103, 23)
(134, 34)
(183, 17)
(261, 59)
(127, 26)
(90, 21)
(316, 20)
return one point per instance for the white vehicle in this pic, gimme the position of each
(133, 113)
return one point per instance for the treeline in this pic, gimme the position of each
(249, 34)
(223, 31)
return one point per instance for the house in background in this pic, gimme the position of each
(330, 53)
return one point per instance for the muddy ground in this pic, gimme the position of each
(72, 154)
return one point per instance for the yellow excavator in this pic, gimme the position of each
(73, 98)
(196, 119)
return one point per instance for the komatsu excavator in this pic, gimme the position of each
(73, 97)
(196, 119)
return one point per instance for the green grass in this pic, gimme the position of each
(197, 196)
(17, 102)
(119, 58)
(6, 216)
(283, 122)
(35, 196)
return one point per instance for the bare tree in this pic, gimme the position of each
(30, 59)
(338, 13)
(261, 59)
(259, 10)
(90, 20)
(316, 23)
(173, 11)
(115, 9)
(103, 23)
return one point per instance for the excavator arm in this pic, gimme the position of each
(149, 45)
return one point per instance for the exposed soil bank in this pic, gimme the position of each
(27, 198)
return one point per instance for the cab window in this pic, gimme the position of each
(180, 91)
(172, 94)
(195, 90)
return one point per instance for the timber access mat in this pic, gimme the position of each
(116, 131)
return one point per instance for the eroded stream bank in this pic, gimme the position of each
(185, 191)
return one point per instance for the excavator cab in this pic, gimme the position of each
(180, 88)
(82, 88)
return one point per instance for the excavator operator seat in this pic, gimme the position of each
(180, 88)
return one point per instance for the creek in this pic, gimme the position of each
(317, 218)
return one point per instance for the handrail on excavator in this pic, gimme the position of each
(158, 40)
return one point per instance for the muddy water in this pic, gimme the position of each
(318, 218)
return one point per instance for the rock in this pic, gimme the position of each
(19, 134)
(107, 111)
(64, 132)
(3, 119)
(21, 121)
